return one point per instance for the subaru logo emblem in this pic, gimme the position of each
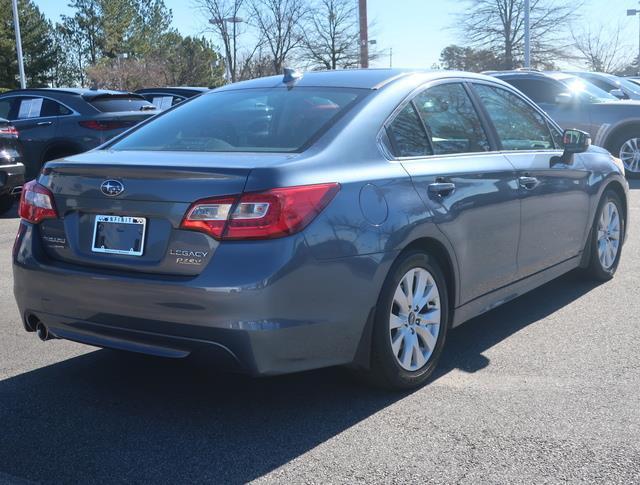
(112, 188)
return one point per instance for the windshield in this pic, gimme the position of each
(245, 120)
(628, 85)
(587, 91)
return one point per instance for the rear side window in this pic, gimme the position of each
(407, 134)
(538, 90)
(245, 120)
(113, 104)
(519, 126)
(451, 119)
(51, 108)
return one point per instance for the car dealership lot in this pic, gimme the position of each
(543, 389)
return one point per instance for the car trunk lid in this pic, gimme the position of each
(157, 190)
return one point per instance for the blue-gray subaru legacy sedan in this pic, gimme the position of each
(303, 221)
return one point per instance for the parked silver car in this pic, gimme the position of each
(617, 86)
(576, 103)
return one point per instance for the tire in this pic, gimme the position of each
(623, 145)
(6, 202)
(388, 368)
(602, 264)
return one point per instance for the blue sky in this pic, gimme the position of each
(417, 30)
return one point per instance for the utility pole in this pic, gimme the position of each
(16, 25)
(390, 57)
(527, 35)
(364, 34)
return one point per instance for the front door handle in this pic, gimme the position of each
(528, 182)
(441, 189)
(44, 123)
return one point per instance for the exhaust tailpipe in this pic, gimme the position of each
(42, 332)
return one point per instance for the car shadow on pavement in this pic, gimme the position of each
(107, 416)
(12, 213)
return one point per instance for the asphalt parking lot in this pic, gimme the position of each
(544, 389)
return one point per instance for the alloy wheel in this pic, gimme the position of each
(414, 321)
(608, 235)
(630, 154)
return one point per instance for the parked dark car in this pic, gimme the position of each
(11, 167)
(368, 213)
(54, 123)
(574, 102)
(164, 98)
(619, 87)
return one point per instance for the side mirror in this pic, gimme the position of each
(564, 98)
(574, 141)
(618, 93)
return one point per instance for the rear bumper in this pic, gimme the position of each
(11, 177)
(262, 308)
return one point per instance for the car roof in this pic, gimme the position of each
(172, 89)
(517, 73)
(86, 93)
(350, 78)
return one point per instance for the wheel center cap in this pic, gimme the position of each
(412, 318)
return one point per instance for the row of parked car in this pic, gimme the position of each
(38, 125)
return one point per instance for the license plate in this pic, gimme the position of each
(119, 235)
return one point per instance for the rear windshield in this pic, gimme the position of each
(112, 104)
(247, 120)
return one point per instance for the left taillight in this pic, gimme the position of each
(36, 203)
(9, 130)
(260, 215)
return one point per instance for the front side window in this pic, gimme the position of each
(451, 119)
(30, 108)
(408, 135)
(585, 90)
(245, 120)
(519, 126)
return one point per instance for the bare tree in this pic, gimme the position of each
(499, 25)
(279, 24)
(602, 49)
(331, 36)
(224, 16)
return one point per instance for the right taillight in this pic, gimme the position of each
(105, 125)
(261, 215)
(36, 203)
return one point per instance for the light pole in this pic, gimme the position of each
(632, 12)
(16, 25)
(527, 35)
(364, 34)
(231, 58)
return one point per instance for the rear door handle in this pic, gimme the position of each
(441, 189)
(44, 123)
(527, 182)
